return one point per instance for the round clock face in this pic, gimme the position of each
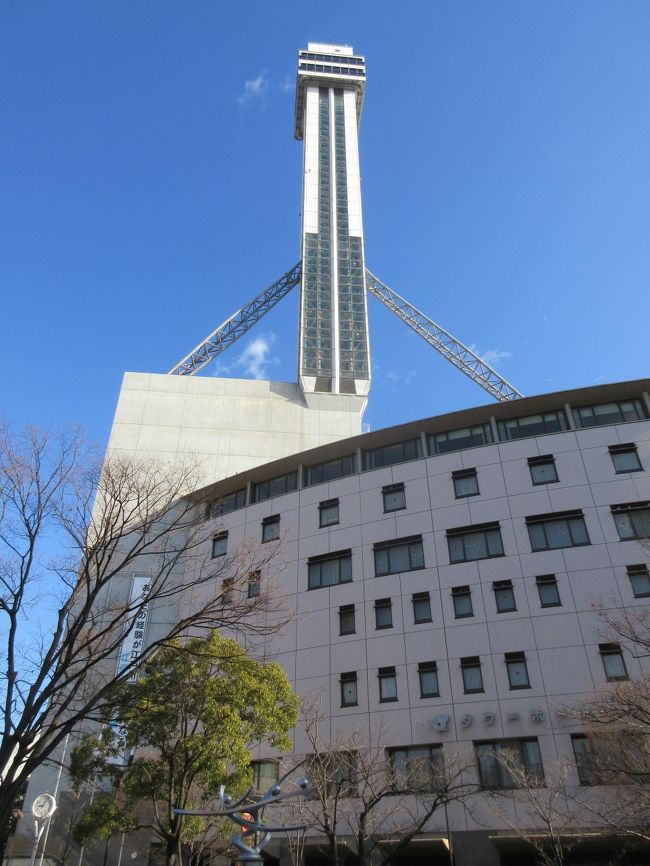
(43, 806)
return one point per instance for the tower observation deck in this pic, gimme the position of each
(333, 350)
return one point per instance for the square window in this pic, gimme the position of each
(271, 528)
(549, 595)
(220, 545)
(328, 513)
(632, 521)
(474, 542)
(387, 684)
(553, 531)
(394, 497)
(640, 580)
(417, 768)
(504, 596)
(465, 483)
(517, 670)
(348, 683)
(462, 599)
(625, 458)
(421, 607)
(347, 622)
(472, 677)
(254, 583)
(613, 662)
(428, 676)
(383, 613)
(542, 469)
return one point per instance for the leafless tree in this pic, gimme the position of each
(73, 533)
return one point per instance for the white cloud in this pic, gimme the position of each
(491, 356)
(287, 84)
(398, 378)
(255, 90)
(256, 357)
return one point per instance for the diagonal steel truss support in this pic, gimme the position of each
(237, 325)
(455, 352)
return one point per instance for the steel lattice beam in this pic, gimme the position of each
(449, 347)
(237, 325)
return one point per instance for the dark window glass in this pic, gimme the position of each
(613, 662)
(474, 542)
(347, 624)
(275, 486)
(632, 520)
(542, 469)
(383, 613)
(458, 440)
(349, 689)
(517, 670)
(328, 513)
(388, 455)
(394, 497)
(608, 413)
(338, 770)
(640, 580)
(227, 586)
(403, 554)
(421, 607)
(584, 758)
(465, 483)
(532, 425)
(271, 528)
(462, 598)
(472, 677)
(265, 775)
(228, 503)
(552, 531)
(330, 470)
(504, 596)
(220, 544)
(254, 584)
(387, 684)
(625, 458)
(417, 768)
(494, 758)
(428, 676)
(549, 595)
(330, 569)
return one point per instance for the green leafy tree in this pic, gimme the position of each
(192, 717)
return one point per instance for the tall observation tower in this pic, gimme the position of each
(333, 350)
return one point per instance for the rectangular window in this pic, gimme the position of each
(640, 580)
(220, 544)
(462, 598)
(228, 503)
(338, 771)
(330, 569)
(275, 486)
(328, 513)
(613, 661)
(383, 613)
(474, 542)
(227, 586)
(549, 595)
(388, 455)
(403, 554)
(254, 584)
(347, 622)
(387, 684)
(421, 607)
(394, 497)
(348, 683)
(532, 425)
(632, 520)
(552, 531)
(271, 528)
(428, 675)
(608, 413)
(584, 758)
(495, 757)
(330, 470)
(504, 595)
(465, 483)
(416, 768)
(517, 670)
(472, 677)
(265, 775)
(542, 469)
(458, 440)
(625, 458)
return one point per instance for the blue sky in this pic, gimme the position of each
(150, 185)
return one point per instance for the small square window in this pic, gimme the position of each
(625, 458)
(220, 545)
(462, 598)
(613, 662)
(347, 623)
(348, 683)
(472, 677)
(254, 582)
(640, 580)
(542, 469)
(394, 497)
(383, 613)
(465, 483)
(328, 513)
(387, 684)
(549, 595)
(428, 676)
(271, 528)
(517, 670)
(504, 596)
(421, 607)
